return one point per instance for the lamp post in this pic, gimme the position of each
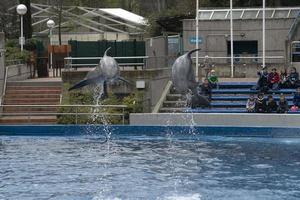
(197, 40)
(21, 10)
(51, 25)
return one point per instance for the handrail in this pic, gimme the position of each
(161, 100)
(99, 58)
(4, 86)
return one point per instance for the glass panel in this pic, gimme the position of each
(281, 13)
(219, 15)
(269, 13)
(250, 14)
(294, 13)
(205, 15)
(236, 14)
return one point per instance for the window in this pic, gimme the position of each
(243, 47)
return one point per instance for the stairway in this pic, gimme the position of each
(231, 97)
(25, 100)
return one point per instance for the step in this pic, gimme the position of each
(174, 104)
(244, 98)
(33, 88)
(238, 85)
(15, 92)
(21, 96)
(30, 110)
(27, 120)
(16, 101)
(29, 83)
(249, 91)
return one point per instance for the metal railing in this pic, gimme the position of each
(4, 86)
(55, 112)
(69, 61)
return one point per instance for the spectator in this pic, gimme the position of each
(273, 79)
(296, 99)
(250, 106)
(262, 84)
(283, 106)
(271, 105)
(260, 104)
(213, 79)
(206, 89)
(293, 78)
(283, 79)
(294, 108)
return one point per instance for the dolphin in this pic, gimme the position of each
(106, 71)
(183, 78)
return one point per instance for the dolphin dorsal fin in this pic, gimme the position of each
(105, 53)
(192, 51)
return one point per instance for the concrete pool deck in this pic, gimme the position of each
(217, 119)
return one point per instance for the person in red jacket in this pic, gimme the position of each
(273, 79)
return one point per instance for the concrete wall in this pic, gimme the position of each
(18, 72)
(2, 67)
(157, 50)
(155, 81)
(216, 33)
(210, 119)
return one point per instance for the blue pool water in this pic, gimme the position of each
(154, 166)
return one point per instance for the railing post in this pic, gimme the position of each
(76, 118)
(123, 116)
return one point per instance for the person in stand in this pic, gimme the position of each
(293, 78)
(283, 106)
(213, 79)
(206, 89)
(262, 84)
(271, 105)
(296, 99)
(273, 79)
(283, 79)
(260, 104)
(250, 106)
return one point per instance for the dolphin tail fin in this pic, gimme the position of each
(192, 51)
(124, 80)
(81, 84)
(105, 53)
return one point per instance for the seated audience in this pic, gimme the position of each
(273, 79)
(271, 105)
(213, 79)
(260, 104)
(283, 106)
(283, 79)
(262, 84)
(296, 99)
(250, 106)
(293, 78)
(206, 89)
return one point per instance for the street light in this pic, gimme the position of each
(51, 25)
(21, 10)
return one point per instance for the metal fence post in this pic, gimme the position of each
(76, 117)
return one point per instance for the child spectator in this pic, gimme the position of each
(260, 104)
(262, 84)
(293, 78)
(206, 89)
(273, 79)
(213, 79)
(283, 106)
(296, 99)
(271, 105)
(283, 79)
(250, 106)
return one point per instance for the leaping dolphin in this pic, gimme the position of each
(107, 71)
(183, 75)
(183, 78)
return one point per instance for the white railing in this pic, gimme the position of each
(56, 112)
(70, 65)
